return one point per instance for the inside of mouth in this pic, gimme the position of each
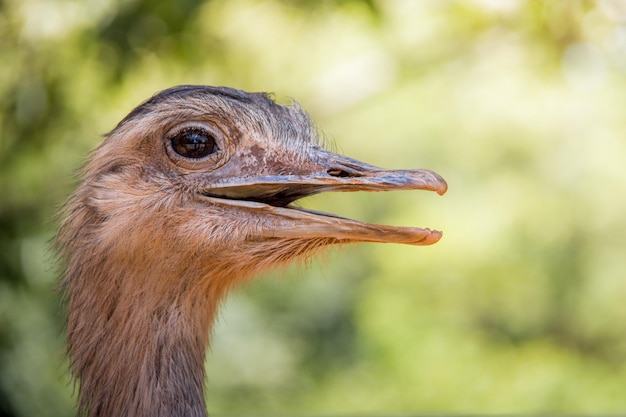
(277, 195)
(281, 199)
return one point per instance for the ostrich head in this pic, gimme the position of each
(189, 195)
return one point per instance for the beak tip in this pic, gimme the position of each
(427, 237)
(442, 188)
(435, 236)
(441, 185)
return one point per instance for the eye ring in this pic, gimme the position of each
(196, 145)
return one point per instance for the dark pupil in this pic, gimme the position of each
(193, 144)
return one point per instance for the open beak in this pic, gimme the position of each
(273, 194)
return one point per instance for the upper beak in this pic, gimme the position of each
(331, 172)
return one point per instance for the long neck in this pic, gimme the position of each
(135, 355)
(144, 276)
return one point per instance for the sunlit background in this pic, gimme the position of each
(520, 105)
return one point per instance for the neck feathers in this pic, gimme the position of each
(135, 354)
(146, 363)
(138, 315)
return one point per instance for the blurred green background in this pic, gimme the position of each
(520, 105)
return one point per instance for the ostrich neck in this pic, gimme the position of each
(142, 296)
(139, 351)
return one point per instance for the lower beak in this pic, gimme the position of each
(272, 194)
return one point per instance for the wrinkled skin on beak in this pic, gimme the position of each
(327, 171)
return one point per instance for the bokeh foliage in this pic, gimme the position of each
(518, 103)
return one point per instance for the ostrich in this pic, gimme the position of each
(188, 196)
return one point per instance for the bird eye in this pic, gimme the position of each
(194, 143)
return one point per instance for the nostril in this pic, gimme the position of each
(338, 172)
